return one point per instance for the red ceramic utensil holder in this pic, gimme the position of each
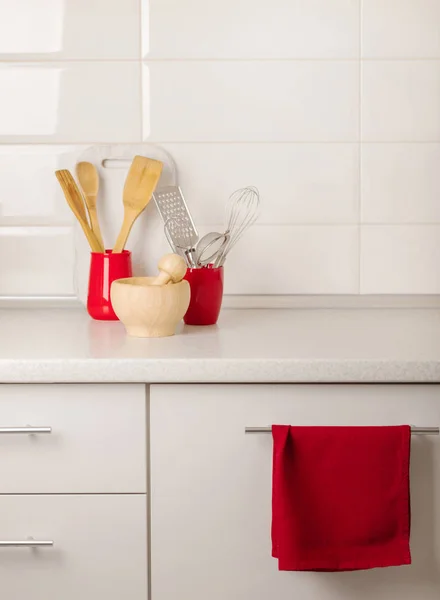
(206, 295)
(104, 269)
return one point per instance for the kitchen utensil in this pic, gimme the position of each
(146, 242)
(149, 309)
(105, 267)
(179, 241)
(204, 252)
(172, 268)
(209, 247)
(140, 184)
(89, 181)
(174, 211)
(242, 209)
(76, 203)
(206, 295)
(169, 238)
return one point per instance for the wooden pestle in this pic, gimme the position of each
(172, 268)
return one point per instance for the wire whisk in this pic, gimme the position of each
(242, 211)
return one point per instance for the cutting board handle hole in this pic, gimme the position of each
(116, 163)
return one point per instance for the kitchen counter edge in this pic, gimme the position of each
(217, 371)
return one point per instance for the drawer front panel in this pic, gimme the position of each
(96, 444)
(211, 488)
(99, 547)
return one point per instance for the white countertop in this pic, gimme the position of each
(315, 345)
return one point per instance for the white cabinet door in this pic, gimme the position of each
(99, 551)
(97, 442)
(211, 490)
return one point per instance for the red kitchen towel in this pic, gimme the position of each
(340, 497)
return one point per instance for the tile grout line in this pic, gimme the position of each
(76, 144)
(293, 224)
(53, 61)
(147, 388)
(141, 91)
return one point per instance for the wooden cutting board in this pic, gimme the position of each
(147, 241)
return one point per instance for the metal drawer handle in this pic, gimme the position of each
(26, 544)
(28, 429)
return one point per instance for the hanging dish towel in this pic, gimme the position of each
(340, 497)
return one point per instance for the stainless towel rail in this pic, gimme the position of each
(414, 430)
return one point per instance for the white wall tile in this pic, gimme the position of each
(400, 183)
(298, 183)
(401, 28)
(222, 90)
(72, 29)
(251, 101)
(29, 190)
(251, 29)
(400, 259)
(316, 260)
(36, 261)
(400, 101)
(70, 102)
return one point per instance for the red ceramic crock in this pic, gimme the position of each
(104, 269)
(206, 285)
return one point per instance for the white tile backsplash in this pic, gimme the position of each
(69, 29)
(399, 259)
(321, 259)
(36, 261)
(330, 107)
(251, 101)
(252, 29)
(29, 191)
(400, 183)
(69, 102)
(285, 174)
(400, 101)
(400, 28)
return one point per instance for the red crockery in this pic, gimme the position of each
(104, 269)
(206, 295)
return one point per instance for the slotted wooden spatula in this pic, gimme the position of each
(140, 184)
(76, 203)
(89, 181)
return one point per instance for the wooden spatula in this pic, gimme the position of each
(76, 203)
(89, 181)
(142, 179)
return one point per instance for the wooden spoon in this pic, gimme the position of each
(76, 203)
(140, 184)
(89, 181)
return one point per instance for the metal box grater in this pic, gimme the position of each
(171, 205)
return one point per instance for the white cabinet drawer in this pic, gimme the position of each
(99, 547)
(211, 490)
(97, 442)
